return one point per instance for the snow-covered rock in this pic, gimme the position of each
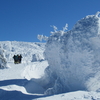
(74, 57)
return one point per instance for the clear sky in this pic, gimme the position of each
(23, 20)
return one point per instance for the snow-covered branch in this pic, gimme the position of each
(61, 31)
(42, 37)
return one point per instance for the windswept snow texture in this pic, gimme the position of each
(74, 57)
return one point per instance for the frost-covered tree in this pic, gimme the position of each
(42, 37)
(55, 32)
(74, 57)
(55, 28)
(2, 59)
(59, 32)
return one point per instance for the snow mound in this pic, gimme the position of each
(74, 58)
(34, 70)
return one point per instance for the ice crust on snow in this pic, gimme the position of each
(74, 58)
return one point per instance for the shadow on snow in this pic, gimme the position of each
(20, 82)
(16, 95)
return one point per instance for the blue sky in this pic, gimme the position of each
(23, 20)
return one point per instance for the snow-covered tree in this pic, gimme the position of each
(37, 57)
(42, 37)
(2, 59)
